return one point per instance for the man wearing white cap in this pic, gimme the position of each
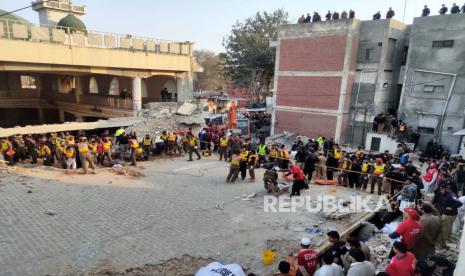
(307, 259)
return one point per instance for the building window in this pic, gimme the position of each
(433, 88)
(443, 44)
(28, 82)
(369, 54)
(114, 87)
(93, 86)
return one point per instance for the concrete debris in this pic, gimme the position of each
(158, 117)
(380, 246)
(126, 172)
(186, 109)
(285, 138)
(248, 196)
(50, 213)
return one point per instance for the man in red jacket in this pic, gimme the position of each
(408, 230)
(307, 259)
(403, 263)
(299, 182)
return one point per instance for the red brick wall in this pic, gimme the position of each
(312, 54)
(298, 91)
(303, 123)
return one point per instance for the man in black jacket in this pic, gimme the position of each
(447, 204)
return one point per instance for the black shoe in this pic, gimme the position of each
(190, 160)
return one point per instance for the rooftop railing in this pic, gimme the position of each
(18, 30)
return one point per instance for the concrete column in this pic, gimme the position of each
(184, 88)
(62, 115)
(41, 116)
(137, 93)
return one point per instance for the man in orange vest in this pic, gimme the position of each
(134, 146)
(234, 168)
(85, 155)
(70, 155)
(192, 146)
(402, 129)
(106, 150)
(224, 148)
(377, 175)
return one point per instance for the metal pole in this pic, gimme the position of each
(443, 115)
(364, 127)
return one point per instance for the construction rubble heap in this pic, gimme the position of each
(158, 117)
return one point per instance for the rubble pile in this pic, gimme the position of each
(380, 246)
(285, 138)
(157, 117)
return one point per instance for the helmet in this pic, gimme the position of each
(378, 160)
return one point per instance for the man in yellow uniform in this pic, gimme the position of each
(7, 151)
(366, 169)
(164, 137)
(193, 147)
(147, 145)
(285, 158)
(224, 148)
(107, 149)
(70, 155)
(173, 143)
(252, 161)
(234, 168)
(262, 153)
(377, 174)
(85, 155)
(134, 146)
(244, 160)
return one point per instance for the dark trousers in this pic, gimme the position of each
(193, 150)
(224, 153)
(233, 174)
(20, 154)
(243, 169)
(297, 186)
(309, 172)
(329, 174)
(33, 153)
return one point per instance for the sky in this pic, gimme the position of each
(207, 22)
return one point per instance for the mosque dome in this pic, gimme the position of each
(71, 21)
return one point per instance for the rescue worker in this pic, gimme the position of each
(320, 165)
(377, 174)
(185, 142)
(134, 147)
(402, 129)
(7, 151)
(344, 164)
(337, 152)
(31, 148)
(70, 155)
(224, 148)
(262, 153)
(20, 148)
(270, 180)
(147, 145)
(46, 154)
(164, 145)
(172, 141)
(85, 155)
(359, 153)
(234, 168)
(285, 157)
(252, 162)
(107, 149)
(193, 147)
(366, 169)
(244, 160)
(273, 155)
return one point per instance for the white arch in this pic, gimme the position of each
(144, 89)
(114, 87)
(93, 86)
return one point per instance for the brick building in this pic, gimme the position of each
(327, 74)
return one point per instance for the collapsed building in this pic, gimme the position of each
(60, 71)
(334, 77)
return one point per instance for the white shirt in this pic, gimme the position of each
(364, 268)
(329, 270)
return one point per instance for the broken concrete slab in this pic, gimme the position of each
(186, 109)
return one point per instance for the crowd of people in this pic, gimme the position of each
(377, 16)
(428, 201)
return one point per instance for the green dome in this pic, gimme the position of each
(71, 21)
(12, 16)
